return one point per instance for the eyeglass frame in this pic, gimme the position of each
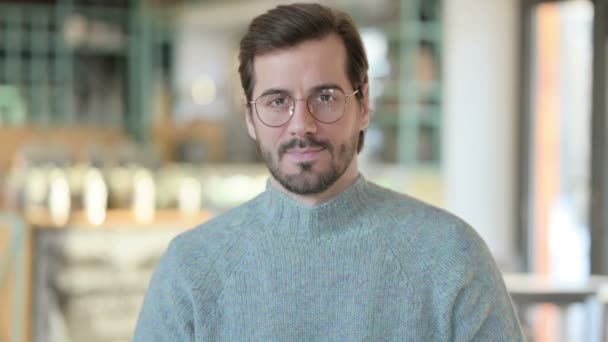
(346, 97)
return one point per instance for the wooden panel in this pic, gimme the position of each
(7, 307)
(75, 139)
(5, 291)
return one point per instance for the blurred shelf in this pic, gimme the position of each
(122, 219)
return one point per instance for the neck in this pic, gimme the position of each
(283, 213)
(345, 181)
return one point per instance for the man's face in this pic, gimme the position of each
(304, 155)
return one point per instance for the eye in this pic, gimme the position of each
(325, 97)
(278, 101)
(275, 100)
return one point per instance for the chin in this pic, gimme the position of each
(306, 179)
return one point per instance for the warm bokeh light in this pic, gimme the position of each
(144, 196)
(204, 90)
(95, 197)
(59, 197)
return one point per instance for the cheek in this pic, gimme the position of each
(268, 137)
(342, 133)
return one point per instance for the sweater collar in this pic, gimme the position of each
(290, 217)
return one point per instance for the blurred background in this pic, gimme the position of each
(122, 125)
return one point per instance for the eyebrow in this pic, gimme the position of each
(325, 86)
(275, 91)
(311, 91)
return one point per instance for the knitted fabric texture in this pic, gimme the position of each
(367, 265)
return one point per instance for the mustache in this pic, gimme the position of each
(303, 143)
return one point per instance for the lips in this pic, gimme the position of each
(305, 150)
(300, 155)
(302, 150)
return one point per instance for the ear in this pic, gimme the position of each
(365, 111)
(249, 121)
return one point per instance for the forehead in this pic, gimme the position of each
(303, 66)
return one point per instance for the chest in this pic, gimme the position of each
(315, 294)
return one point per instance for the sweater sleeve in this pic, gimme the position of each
(167, 313)
(482, 309)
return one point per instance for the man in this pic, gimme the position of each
(322, 254)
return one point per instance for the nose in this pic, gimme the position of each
(302, 122)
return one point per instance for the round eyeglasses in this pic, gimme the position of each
(326, 106)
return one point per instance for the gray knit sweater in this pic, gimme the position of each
(368, 265)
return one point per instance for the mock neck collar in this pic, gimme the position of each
(295, 219)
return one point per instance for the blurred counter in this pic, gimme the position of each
(80, 281)
(529, 289)
(89, 282)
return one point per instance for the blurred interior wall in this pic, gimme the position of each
(480, 73)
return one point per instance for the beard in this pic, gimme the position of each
(307, 181)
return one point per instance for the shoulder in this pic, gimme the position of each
(418, 229)
(224, 228)
(402, 210)
(215, 245)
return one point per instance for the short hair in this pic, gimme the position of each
(288, 25)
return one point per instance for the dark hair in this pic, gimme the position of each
(288, 25)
